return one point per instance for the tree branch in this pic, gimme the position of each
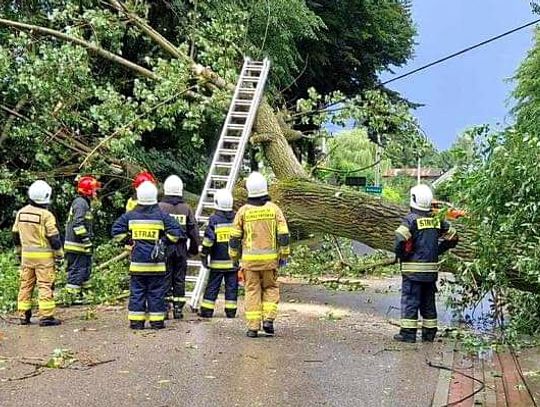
(90, 47)
(198, 70)
(12, 116)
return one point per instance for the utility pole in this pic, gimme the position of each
(378, 156)
(418, 170)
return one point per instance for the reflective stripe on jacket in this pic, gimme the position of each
(216, 241)
(421, 232)
(145, 225)
(37, 235)
(260, 236)
(79, 227)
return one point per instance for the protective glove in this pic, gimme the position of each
(282, 263)
(204, 261)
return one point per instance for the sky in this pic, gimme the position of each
(473, 88)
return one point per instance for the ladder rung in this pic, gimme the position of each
(240, 115)
(227, 151)
(194, 263)
(231, 139)
(219, 177)
(251, 79)
(203, 219)
(221, 164)
(208, 205)
(192, 279)
(243, 102)
(235, 126)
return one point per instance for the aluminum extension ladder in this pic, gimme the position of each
(229, 155)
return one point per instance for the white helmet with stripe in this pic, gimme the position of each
(40, 192)
(256, 185)
(173, 186)
(147, 194)
(223, 200)
(421, 197)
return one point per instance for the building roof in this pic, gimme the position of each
(413, 172)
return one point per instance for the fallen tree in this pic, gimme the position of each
(315, 206)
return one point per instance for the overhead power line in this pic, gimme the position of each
(431, 64)
(463, 51)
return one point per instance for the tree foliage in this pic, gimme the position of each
(500, 190)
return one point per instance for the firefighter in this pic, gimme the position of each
(79, 235)
(260, 240)
(39, 249)
(147, 226)
(420, 239)
(215, 256)
(138, 180)
(177, 253)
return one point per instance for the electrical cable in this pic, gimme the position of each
(431, 64)
(449, 369)
(349, 171)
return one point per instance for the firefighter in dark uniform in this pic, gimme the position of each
(215, 256)
(79, 234)
(420, 239)
(147, 226)
(177, 253)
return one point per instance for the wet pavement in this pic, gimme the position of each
(331, 349)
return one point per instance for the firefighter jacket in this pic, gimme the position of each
(179, 210)
(216, 241)
(131, 204)
(260, 236)
(145, 226)
(79, 230)
(420, 239)
(36, 235)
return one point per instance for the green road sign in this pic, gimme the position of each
(372, 189)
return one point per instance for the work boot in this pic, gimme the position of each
(157, 324)
(137, 325)
(27, 316)
(268, 327)
(206, 313)
(428, 334)
(251, 333)
(230, 313)
(177, 311)
(49, 321)
(400, 337)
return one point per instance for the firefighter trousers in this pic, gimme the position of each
(418, 296)
(147, 298)
(79, 267)
(44, 275)
(212, 291)
(262, 297)
(175, 278)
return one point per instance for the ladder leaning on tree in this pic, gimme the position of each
(229, 154)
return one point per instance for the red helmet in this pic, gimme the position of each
(142, 177)
(88, 186)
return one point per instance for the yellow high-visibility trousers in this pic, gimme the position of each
(262, 297)
(44, 275)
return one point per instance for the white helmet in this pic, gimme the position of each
(223, 200)
(256, 185)
(173, 185)
(147, 194)
(421, 197)
(40, 192)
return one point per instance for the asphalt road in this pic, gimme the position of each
(331, 349)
